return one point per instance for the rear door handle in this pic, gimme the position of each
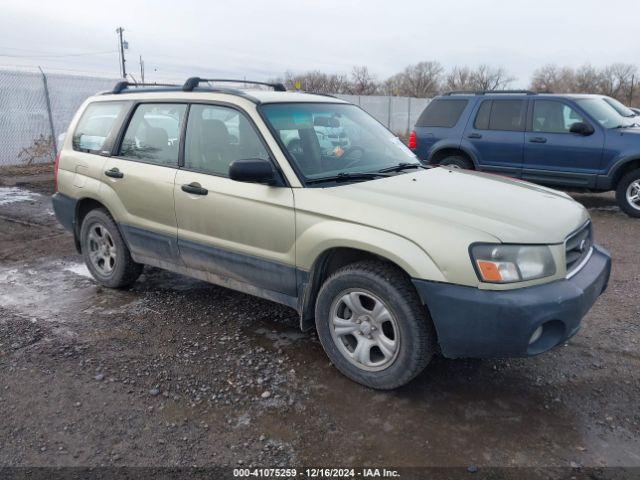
(538, 140)
(474, 135)
(114, 173)
(195, 189)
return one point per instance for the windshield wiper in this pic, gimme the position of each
(401, 166)
(346, 176)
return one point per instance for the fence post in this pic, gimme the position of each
(408, 115)
(49, 112)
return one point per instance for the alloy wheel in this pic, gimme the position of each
(364, 329)
(102, 249)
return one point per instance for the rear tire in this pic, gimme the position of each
(628, 193)
(373, 326)
(456, 161)
(105, 253)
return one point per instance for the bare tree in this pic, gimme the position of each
(486, 77)
(426, 79)
(316, 81)
(392, 86)
(617, 79)
(362, 82)
(421, 80)
(551, 78)
(587, 80)
(460, 78)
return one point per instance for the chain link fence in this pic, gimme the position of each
(36, 107)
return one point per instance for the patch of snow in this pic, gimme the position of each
(611, 208)
(79, 269)
(15, 194)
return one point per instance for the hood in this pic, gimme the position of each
(415, 204)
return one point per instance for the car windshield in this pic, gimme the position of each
(605, 114)
(327, 140)
(619, 107)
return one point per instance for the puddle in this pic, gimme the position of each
(14, 194)
(282, 339)
(54, 291)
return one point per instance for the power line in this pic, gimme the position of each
(10, 55)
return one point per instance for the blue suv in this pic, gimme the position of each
(569, 141)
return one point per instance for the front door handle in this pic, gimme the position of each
(194, 188)
(475, 135)
(114, 173)
(538, 140)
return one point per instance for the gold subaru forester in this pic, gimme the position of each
(308, 201)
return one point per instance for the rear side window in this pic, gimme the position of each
(153, 134)
(482, 118)
(506, 115)
(442, 113)
(96, 125)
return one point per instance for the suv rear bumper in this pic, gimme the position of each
(488, 323)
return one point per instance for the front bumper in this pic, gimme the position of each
(500, 323)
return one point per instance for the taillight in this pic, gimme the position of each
(413, 140)
(56, 163)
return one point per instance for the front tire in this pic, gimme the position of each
(373, 326)
(628, 193)
(105, 253)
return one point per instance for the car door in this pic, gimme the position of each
(238, 233)
(139, 181)
(496, 135)
(553, 155)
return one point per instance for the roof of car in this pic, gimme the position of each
(258, 96)
(498, 94)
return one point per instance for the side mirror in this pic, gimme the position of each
(581, 128)
(253, 170)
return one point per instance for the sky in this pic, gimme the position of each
(261, 40)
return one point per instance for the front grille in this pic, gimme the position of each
(577, 247)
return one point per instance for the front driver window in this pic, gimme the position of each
(217, 136)
(554, 117)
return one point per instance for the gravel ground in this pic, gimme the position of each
(177, 372)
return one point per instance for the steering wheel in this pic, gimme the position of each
(349, 151)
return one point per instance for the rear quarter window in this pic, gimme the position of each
(96, 125)
(442, 113)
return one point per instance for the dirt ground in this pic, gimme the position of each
(177, 372)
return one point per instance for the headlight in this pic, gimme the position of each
(497, 263)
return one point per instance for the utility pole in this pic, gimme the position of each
(123, 70)
(141, 69)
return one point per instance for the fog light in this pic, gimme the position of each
(536, 335)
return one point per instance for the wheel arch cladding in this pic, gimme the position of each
(449, 151)
(330, 260)
(624, 167)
